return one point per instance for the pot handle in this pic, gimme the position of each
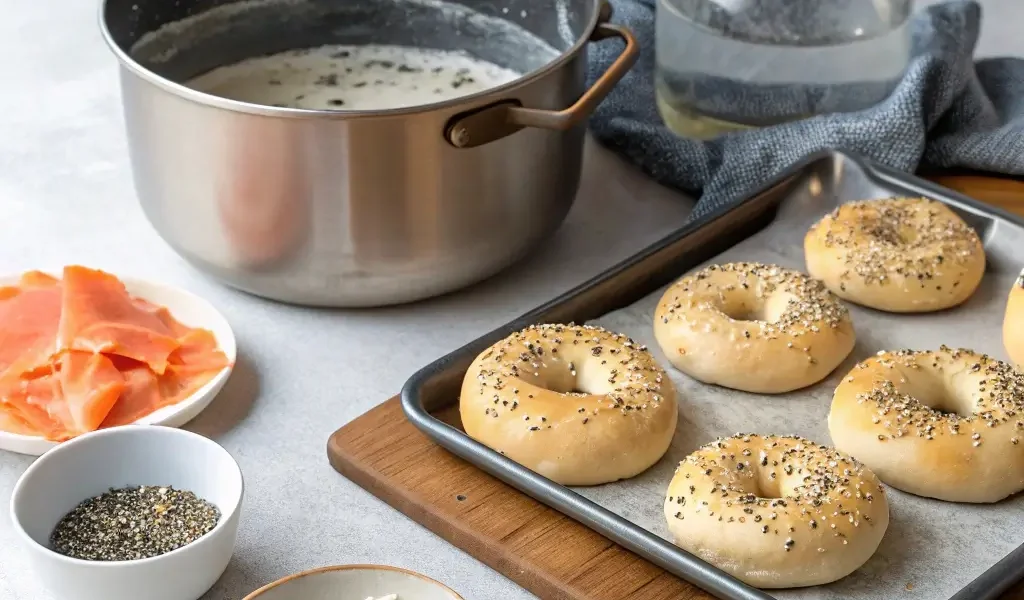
(493, 122)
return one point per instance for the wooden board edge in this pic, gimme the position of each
(452, 533)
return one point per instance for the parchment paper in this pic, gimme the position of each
(931, 549)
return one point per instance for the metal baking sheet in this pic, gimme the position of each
(931, 550)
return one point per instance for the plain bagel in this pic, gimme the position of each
(753, 327)
(1013, 323)
(945, 424)
(776, 511)
(579, 405)
(896, 254)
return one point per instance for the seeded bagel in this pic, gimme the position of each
(578, 404)
(776, 511)
(946, 424)
(898, 255)
(753, 327)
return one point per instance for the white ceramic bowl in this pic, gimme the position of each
(129, 455)
(355, 582)
(187, 308)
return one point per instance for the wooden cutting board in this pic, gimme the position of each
(542, 550)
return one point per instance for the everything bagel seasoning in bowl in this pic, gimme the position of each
(133, 523)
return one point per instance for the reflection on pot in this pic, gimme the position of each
(263, 203)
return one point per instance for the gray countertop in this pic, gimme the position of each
(66, 197)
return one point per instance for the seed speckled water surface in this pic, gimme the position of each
(372, 77)
(133, 523)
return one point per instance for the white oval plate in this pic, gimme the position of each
(187, 308)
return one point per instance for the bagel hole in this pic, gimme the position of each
(945, 406)
(892, 234)
(743, 310)
(759, 482)
(945, 402)
(745, 313)
(581, 380)
(573, 391)
(768, 487)
(752, 309)
(560, 386)
(935, 393)
(566, 383)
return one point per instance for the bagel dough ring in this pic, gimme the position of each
(577, 404)
(899, 255)
(944, 424)
(1013, 323)
(776, 511)
(753, 327)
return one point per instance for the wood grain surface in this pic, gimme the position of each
(542, 550)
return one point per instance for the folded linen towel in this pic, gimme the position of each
(947, 111)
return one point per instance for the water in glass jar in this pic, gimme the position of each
(735, 64)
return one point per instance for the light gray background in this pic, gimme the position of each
(66, 197)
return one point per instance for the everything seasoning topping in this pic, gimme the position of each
(996, 394)
(133, 523)
(549, 356)
(912, 238)
(810, 303)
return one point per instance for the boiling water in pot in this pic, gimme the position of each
(371, 77)
(360, 56)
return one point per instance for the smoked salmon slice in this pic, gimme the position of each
(90, 385)
(30, 280)
(176, 329)
(197, 352)
(146, 392)
(12, 423)
(141, 396)
(80, 353)
(98, 315)
(28, 330)
(37, 403)
(38, 279)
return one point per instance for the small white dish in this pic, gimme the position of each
(355, 582)
(130, 455)
(187, 308)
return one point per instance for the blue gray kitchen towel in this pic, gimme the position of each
(948, 111)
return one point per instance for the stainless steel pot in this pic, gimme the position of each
(356, 208)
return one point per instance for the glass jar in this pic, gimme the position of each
(724, 65)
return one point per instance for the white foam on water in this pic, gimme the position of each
(370, 77)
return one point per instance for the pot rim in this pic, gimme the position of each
(460, 102)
